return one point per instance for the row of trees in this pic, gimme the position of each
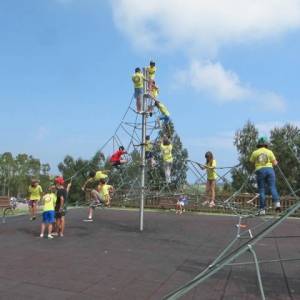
(16, 172)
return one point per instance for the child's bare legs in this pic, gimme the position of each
(43, 226)
(168, 172)
(62, 226)
(139, 103)
(211, 184)
(49, 229)
(32, 209)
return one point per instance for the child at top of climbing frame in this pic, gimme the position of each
(105, 190)
(181, 202)
(116, 158)
(149, 151)
(166, 149)
(138, 82)
(264, 160)
(151, 71)
(210, 167)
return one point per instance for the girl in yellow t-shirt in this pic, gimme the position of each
(35, 194)
(210, 167)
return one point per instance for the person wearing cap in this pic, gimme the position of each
(138, 83)
(116, 158)
(95, 176)
(35, 193)
(264, 161)
(210, 167)
(60, 205)
(166, 149)
(48, 215)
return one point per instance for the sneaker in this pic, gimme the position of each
(41, 235)
(33, 218)
(50, 237)
(54, 233)
(261, 212)
(205, 203)
(88, 220)
(61, 235)
(278, 209)
(212, 204)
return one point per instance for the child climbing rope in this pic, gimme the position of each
(181, 203)
(210, 167)
(95, 176)
(138, 82)
(166, 149)
(105, 190)
(149, 152)
(35, 193)
(264, 160)
(48, 215)
(165, 116)
(116, 158)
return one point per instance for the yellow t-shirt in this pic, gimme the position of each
(262, 158)
(151, 72)
(155, 92)
(100, 175)
(104, 191)
(49, 201)
(35, 192)
(167, 152)
(138, 80)
(148, 146)
(163, 109)
(211, 171)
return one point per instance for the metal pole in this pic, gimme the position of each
(144, 124)
(258, 273)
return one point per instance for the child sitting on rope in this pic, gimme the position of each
(210, 167)
(149, 152)
(105, 190)
(181, 202)
(264, 160)
(116, 159)
(138, 82)
(166, 149)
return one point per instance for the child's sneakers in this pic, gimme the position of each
(212, 204)
(41, 235)
(261, 212)
(277, 207)
(50, 237)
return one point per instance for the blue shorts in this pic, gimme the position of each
(149, 154)
(48, 217)
(138, 92)
(165, 119)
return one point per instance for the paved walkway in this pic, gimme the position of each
(109, 258)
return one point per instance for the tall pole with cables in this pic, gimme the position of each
(144, 125)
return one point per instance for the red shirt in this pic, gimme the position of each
(117, 155)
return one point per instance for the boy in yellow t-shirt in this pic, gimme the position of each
(138, 83)
(151, 70)
(264, 160)
(166, 149)
(210, 167)
(104, 191)
(48, 215)
(35, 193)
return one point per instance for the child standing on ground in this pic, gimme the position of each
(48, 215)
(138, 82)
(104, 190)
(35, 193)
(210, 167)
(60, 207)
(166, 149)
(264, 160)
(182, 201)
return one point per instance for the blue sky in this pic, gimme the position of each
(66, 65)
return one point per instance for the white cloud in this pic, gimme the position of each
(225, 86)
(203, 25)
(266, 127)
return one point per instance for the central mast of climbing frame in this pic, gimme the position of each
(144, 125)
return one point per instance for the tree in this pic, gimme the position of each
(245, 141)
(285, 143)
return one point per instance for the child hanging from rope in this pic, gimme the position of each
(95, 176)
(105, 190)
(166, 149)
(48, 215)
(264, 160)
(181, 202)
(165, 116)
(116, 159)
(210, 167)
(138, 82)
(149, 152)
